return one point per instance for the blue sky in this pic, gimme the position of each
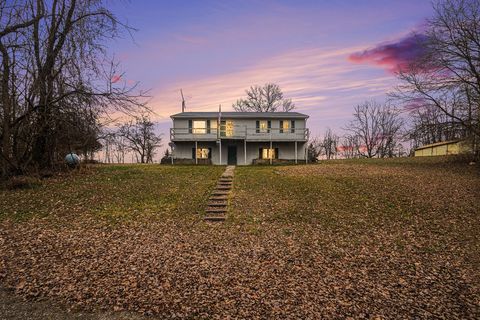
(214, 50)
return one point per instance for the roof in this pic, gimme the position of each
(240, 115)
(437, 144)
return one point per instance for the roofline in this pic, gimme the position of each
(437, 144)
(208, 115)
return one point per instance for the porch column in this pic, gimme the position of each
(220, 151)
(271, 151)
(245, 150)
(306, 155)
(296, 153)
(196, 148)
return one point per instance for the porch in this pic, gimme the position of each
(239, 152)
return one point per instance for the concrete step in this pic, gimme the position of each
(216, 210)
(217, 204)
(214, 218)
(218, 201)
(219, 198)
(220, 192)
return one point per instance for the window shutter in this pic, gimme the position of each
(281, 126)
(293, 126)
(208, 126)
(260, 153)
(193, 153)
(269, 125)
(257, 126)
(190, 125)
(209, 153)
(276, 153)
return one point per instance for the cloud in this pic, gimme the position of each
(393, 56)
(116, 78)
(320, 81)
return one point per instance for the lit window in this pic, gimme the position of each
(263, 126)
(199, 126)
(284, 126)
(227, 128)
(202, 153)
(268, 154)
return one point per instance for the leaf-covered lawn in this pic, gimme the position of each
(116, 193)
(373, 239)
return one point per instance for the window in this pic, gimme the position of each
(226, 129)
(213, 125)
(199, 126)
(284, 126)
(267, 153)
(202, 153)
(263, 126)
(292, 125)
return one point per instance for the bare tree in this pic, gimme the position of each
(431, 125)
(121, 147)
(55, 74)
(349, 147)
(268, 98)
(314, 150)
(141, 137)
(377, 128)
(447, 77)
(329, 144)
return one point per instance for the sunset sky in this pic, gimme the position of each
(327, 56)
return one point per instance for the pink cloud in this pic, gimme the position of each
(116, 78)
(393, 56)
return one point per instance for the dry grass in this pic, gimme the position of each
(382, 238)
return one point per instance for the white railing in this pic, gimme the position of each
(239, 132)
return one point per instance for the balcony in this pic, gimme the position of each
(238, 133)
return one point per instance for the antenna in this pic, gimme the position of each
(183, 101)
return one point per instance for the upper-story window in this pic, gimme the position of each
(200, 126)
(287, 126)
(226, 128)
(263, 126)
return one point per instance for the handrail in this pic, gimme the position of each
(239, 131)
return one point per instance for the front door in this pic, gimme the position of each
(232, 155)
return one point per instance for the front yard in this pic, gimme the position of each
(381, 238)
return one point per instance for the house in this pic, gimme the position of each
(241, 138)
(443, 148)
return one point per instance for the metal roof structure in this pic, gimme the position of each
(437, 144)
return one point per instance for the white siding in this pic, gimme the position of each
(183, 150)
(243, 128)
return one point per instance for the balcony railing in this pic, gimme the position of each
(239, 132)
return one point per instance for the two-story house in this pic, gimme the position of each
(239, 137)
